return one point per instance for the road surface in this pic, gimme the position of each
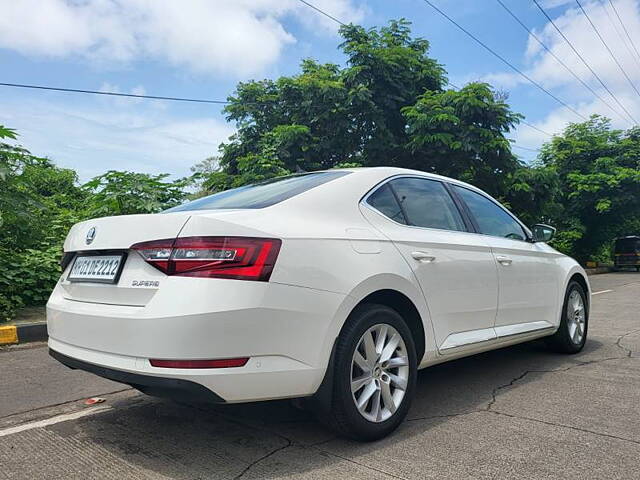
(520, 412)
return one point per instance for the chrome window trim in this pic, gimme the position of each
(363, 202)
(526, 230)
(372, 190)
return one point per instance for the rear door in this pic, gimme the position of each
(528, 276)
(454, 268)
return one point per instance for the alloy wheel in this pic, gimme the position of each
(576, 316)
(379, 372)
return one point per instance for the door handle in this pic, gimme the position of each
(423, 257)
(503, 260)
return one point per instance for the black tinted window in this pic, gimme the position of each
(385, 202)
(426, 203)
(627, 245)
(491, 218)
(260, 195)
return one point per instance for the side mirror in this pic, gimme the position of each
(542, 232)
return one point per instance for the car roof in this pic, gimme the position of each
(385, 172)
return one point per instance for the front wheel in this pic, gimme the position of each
(572, 332)
(375, 374)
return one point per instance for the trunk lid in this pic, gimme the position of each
(119, 233)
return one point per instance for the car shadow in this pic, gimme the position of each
(221, 441)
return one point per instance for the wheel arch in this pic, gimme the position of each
(405, 301)
(573, 272)
(400, 293)
(583, 282)
(407, 310)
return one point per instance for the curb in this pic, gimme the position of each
(598, 270)
(23, 333)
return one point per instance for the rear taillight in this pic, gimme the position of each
(242, 258)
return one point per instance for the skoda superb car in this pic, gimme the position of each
(335, 285)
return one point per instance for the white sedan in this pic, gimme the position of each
(335, 285)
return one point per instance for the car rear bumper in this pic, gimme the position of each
(286, 332)
(157, 386)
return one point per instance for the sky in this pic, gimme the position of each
(203, 48)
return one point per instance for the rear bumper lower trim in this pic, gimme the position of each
(175, 388)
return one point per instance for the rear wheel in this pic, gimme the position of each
(375, 374)
(572, 333)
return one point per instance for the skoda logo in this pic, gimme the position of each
(91, 234)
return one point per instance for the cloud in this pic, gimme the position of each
(555, 3)
(236, 37)
(109, 134)
(544, 69)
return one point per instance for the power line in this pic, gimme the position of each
(624, 28)
(115, 94)
(504, 60)
(583, 60)
(536, 150)
(595, 29)
(626, 45)
(323, 12)
(541, 43)
(536, 128)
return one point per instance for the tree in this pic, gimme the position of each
(598, 170)
(388, 106)
(461, 134)
(33, 192)
(125, 193)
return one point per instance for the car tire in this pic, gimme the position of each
(571, 335)
(388, 378)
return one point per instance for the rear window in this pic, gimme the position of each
(261, 195)
(627, 245)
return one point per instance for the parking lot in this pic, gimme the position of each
(520, 412)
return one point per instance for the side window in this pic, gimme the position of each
(385, 202)
(426, 203)
(491, 219)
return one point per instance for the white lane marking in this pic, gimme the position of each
(601, 291)
(53, 420)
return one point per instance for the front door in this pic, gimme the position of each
(528, 277)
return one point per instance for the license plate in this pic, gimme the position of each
(96, 268)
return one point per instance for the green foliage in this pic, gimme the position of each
(125, 193)
(531, 192)
(38, 204)
(598, 171)
(461, 134)
(28, 276)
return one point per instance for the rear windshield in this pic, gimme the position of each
(627, 245)
(260, 195)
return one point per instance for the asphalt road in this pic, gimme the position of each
(520, 412)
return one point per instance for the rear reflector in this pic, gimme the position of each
(220, 363)
(243, 258)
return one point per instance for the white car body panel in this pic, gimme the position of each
(529, 281)
(335, 252)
